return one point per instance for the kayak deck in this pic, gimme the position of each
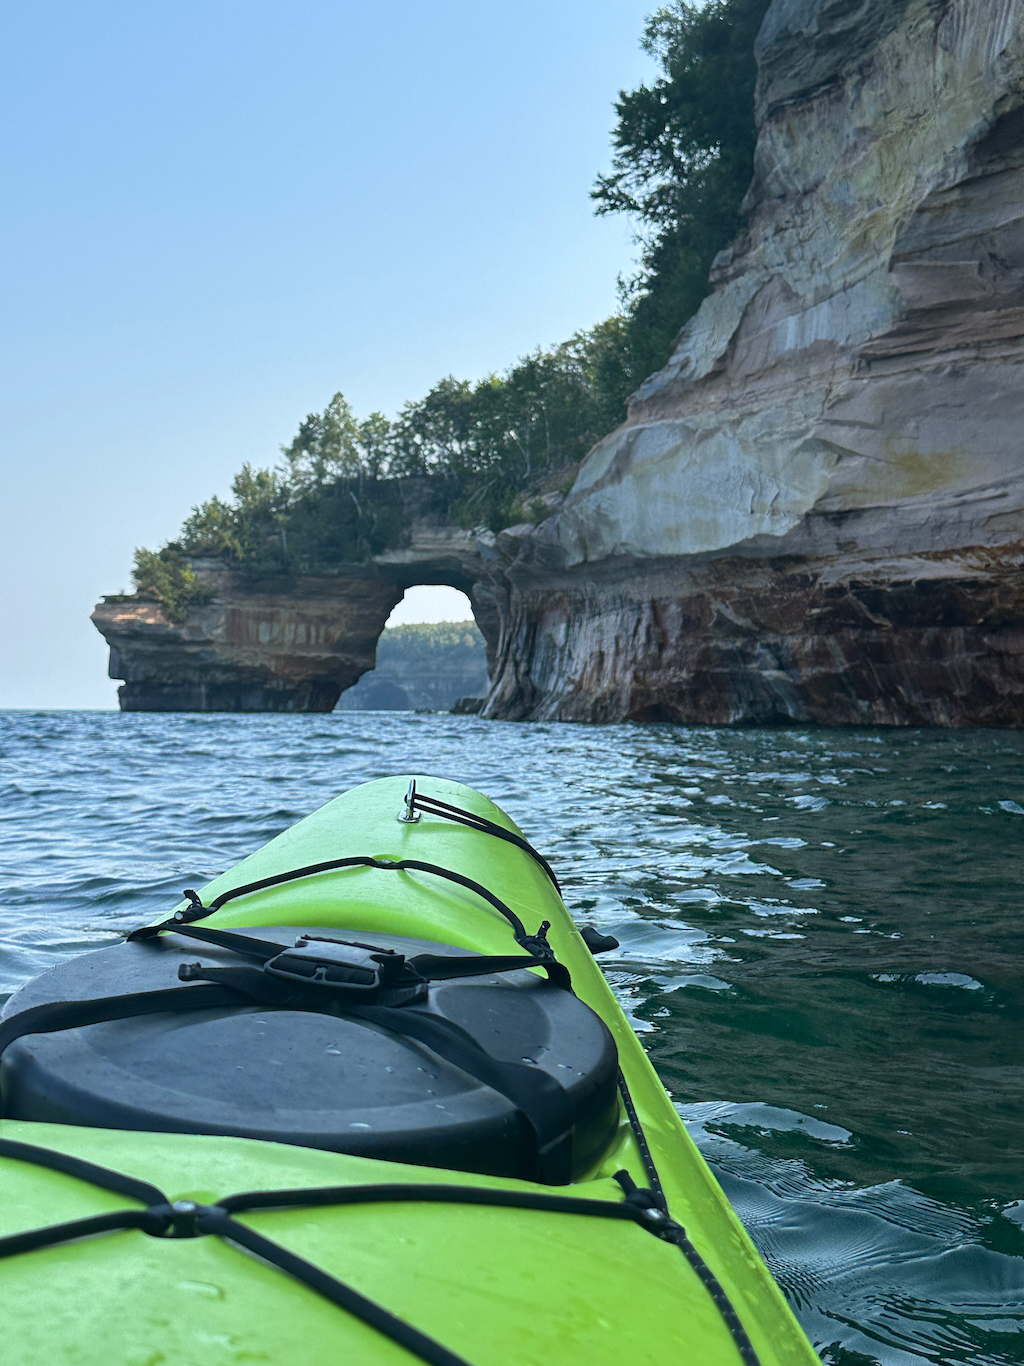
(491, 1285)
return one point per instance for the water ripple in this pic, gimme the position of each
(820, 946)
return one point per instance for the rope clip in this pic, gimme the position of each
(537, 944)
(195, 909)
(409, 815)
(177, 1220)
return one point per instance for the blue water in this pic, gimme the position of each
(821, 945)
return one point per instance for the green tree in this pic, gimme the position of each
(435, 434)
(167, 577)
(326, 447)
(375, 440)
(249, 528)
(684, 149)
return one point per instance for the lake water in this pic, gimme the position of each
(821, 944)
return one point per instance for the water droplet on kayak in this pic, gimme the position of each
(204, 1288)
(357, 1125)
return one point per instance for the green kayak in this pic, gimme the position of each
(365, 1099)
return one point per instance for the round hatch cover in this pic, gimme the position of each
(317, 1080)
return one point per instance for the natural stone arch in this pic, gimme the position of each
(281, 645)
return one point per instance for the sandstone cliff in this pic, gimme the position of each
(268, 645)
(816, 510)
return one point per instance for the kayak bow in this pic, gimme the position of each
(368, 1098)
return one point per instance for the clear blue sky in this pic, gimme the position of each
(216, 214)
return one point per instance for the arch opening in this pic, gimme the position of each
(430, 603)
(430, 655)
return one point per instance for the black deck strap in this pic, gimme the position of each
(35, 1239)
(433, 967)
(433, 806)
(246, 944)
(115, 1182)
(394, 1192)
(439, 967)
(537, 1095)
(273, 993)
(53, 1016)
(251, 985)
(653, 1198)
(197, 911)
(216, 1220)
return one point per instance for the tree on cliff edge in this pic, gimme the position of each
(683, 161)
(684, 150)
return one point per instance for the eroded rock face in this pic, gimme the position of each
(928, 640)
(274, 646)
(293, 649)
(816, 510)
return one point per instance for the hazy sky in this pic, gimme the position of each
(216, 214)
(425, 603)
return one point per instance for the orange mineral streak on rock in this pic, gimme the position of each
(291, 645)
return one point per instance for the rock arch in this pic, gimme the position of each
(281, 645)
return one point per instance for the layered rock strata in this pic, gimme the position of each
(816, 510)
(283, 646)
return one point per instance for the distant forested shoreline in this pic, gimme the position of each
(427, 665)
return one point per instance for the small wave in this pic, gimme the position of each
(872, 1144)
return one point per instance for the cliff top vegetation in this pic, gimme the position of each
(682, 163)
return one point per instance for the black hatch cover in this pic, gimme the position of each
(310, 1079)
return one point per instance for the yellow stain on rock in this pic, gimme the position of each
(913, 472)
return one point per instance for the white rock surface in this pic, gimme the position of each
(816, 509)
(862, 349)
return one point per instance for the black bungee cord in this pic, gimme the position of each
(646, 1207)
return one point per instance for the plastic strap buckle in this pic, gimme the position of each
(357, 969)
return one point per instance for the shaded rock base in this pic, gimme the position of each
(938, 640)
(236, 695)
